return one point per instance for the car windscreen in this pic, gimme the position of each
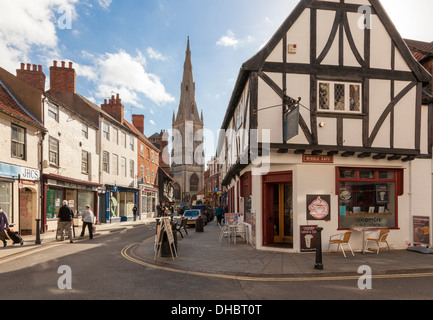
(191, 213)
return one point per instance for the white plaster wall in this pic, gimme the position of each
(68, 132)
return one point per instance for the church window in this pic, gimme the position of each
(193, 184)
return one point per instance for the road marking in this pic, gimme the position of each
(125, 254)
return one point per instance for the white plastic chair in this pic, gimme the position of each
(224, 231)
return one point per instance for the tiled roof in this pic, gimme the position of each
(420, 49)
(10, 106)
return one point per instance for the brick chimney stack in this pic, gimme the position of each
(32, 76)
(138, 122)
(63, 79)
(114, 107)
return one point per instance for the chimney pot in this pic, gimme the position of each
(63, 64)
(40, 68)
(55, 63)
(23, 66)
(29, 66)
(70, 65)
(35, 67)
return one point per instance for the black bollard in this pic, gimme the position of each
(319, 264)
(38, 231)
(199, 225)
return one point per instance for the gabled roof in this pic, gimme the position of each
(10, 105)
(141, 136)
(420, 49)
(256, 62)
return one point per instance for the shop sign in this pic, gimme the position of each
(13, 171)
(308, 238)
(421, 230)
(318, 207)
(317, 159)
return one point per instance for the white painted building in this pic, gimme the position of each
(326, 128)
(21, 132)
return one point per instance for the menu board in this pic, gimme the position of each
(421, 230)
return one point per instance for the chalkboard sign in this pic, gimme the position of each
(165, 227)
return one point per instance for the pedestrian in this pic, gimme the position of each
(66, 216)
(4, 226)
(134, 211)
(88, 219)
(219, 212)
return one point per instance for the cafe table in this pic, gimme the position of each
(364, 230)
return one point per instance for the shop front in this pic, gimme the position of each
(149, 199)
(77, 193)
(119, 202)
(339, 196)
(19, 196)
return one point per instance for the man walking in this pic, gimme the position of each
(88, 218)
(66, 217)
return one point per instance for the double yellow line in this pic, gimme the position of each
(125, 254)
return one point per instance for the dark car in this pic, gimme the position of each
(208, 212)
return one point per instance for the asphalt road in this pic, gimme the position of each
(99, 272)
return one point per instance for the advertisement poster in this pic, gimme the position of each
(308, 238)
(319, 207)
(421, 230)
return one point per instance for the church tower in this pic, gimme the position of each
(188, 163)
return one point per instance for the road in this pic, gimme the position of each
(100, 272)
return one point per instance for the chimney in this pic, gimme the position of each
(32, 75)
(138, 122)
(114, 107)
(63, 79)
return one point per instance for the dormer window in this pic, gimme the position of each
(339, 97)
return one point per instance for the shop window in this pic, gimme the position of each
(6, 198)
(368, 197)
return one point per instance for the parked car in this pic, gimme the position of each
(193, 215)
(206, 210)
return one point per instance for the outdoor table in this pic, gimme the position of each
(363, 230)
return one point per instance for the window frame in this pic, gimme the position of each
(397, 179)
(85, 161)
(106, 162)
(347, 95)
(23, 143)
(57, 164)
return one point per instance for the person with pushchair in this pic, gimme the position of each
(4, 226)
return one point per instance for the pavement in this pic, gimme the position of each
(201, 253)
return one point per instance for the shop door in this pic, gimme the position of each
(278, 214)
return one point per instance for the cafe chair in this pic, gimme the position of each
(224, 232)
(381, 238)
(343, 239)
(182, 226)
(241, 230)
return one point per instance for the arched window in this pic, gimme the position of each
(176, 192)
(193, 183)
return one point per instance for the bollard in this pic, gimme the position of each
(199, 225)
(38, 231)
(319, 264)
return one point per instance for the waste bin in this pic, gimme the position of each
(199, 225)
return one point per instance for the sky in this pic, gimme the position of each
(136, 48)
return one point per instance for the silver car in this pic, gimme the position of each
(193, 215)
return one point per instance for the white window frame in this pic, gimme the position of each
(332, 85)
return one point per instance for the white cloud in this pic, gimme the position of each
(152, 122)
(104, 3)
(229, 40)
(124, 74)
(29, 26)
(155, 55)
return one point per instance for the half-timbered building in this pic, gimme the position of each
(326, 127)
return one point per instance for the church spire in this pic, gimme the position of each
(187, 105)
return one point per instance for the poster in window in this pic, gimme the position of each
(421, 230)
(381, 194)
(308, 238)
(319, 207)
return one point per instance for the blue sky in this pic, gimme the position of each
(137, 47)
